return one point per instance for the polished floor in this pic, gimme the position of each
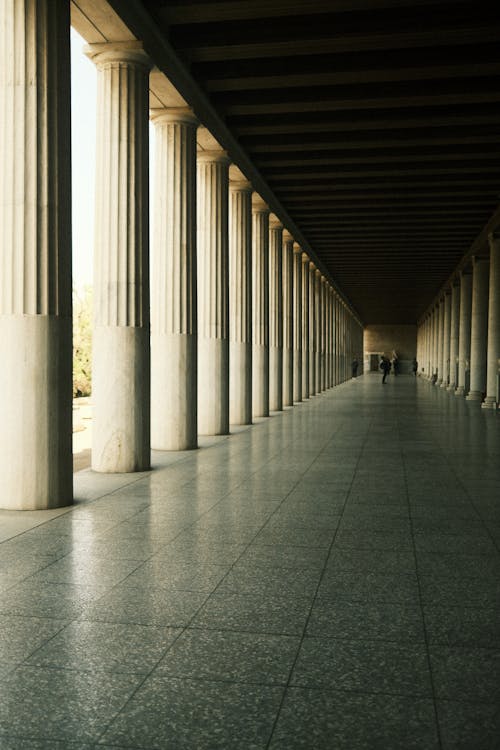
(328, 578)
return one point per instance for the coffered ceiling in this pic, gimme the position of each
(376, 123)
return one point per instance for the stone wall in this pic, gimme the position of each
(382, 339)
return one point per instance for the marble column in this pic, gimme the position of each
(479, 329)
(322, 327)
(297, 322)
(333, 336)
(213, 291)
(240, 301)
(428, 362)
(305, 325)
(312, 329)
(446, 339)
(464, 333)
(288, 340)
(440, 340)
(174, 344)
(36, 468)
(121, 341)
(435, 341)
(493, 359)
(454, 328)
(328, 341)
(260, 307)
(275, 314)
(318, 328)
(337, 337)
(342, 342)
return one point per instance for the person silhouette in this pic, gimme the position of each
(385, 366)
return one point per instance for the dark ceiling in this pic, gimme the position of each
(375, 122)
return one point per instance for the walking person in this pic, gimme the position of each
(414, 366)
(385, 366)
(354, 367)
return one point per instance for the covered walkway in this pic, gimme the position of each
(326, 578)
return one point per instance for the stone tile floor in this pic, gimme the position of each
(328, 578)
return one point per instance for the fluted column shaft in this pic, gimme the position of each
(322, 327)
(464, 333)
(337, 340)
(213, 292)
(121, 344)
(305, 326)
(240, 302)
(288, 322)
(275, 314)
(435, 341)
(428, 328)
(479, 329)
(174, 343)
(318, 328)
(313, 341)
(343, 342)
(328, 341)
(493, 355)
(36, 470)
(297, 322)
(440, 340)
(446, 340)
(260, 309)
(332, 335)
(454, 328)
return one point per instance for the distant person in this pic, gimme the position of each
(385, 366)
(354, 367)
(395, 364)
(414, 367)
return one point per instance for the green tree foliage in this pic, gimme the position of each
(82, 342)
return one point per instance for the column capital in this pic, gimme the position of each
(240, 186)
(106, 54)
(494, 236)
(275, 222)
(297, 248)
(287, 236)
(305, 258)
(183, 115)
(480, 259)
(318, 272)
(259, 205)
(213, 156)
(238, 182)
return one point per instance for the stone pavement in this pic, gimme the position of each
(327, 578)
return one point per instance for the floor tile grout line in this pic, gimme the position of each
(184, 629)
(421, 603)
(288, 685)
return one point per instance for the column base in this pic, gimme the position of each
(260, 381)
(173, 392)
(213, 386)
(460, 391)
(451, 387)
(474, 396)
(240, 383)
(444, 385)
(489, 403)
(121, 429)
(36, 463)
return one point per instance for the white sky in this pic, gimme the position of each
(83, 131)
(83, 117)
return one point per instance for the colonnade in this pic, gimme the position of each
(458, 344)
(241, 322)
